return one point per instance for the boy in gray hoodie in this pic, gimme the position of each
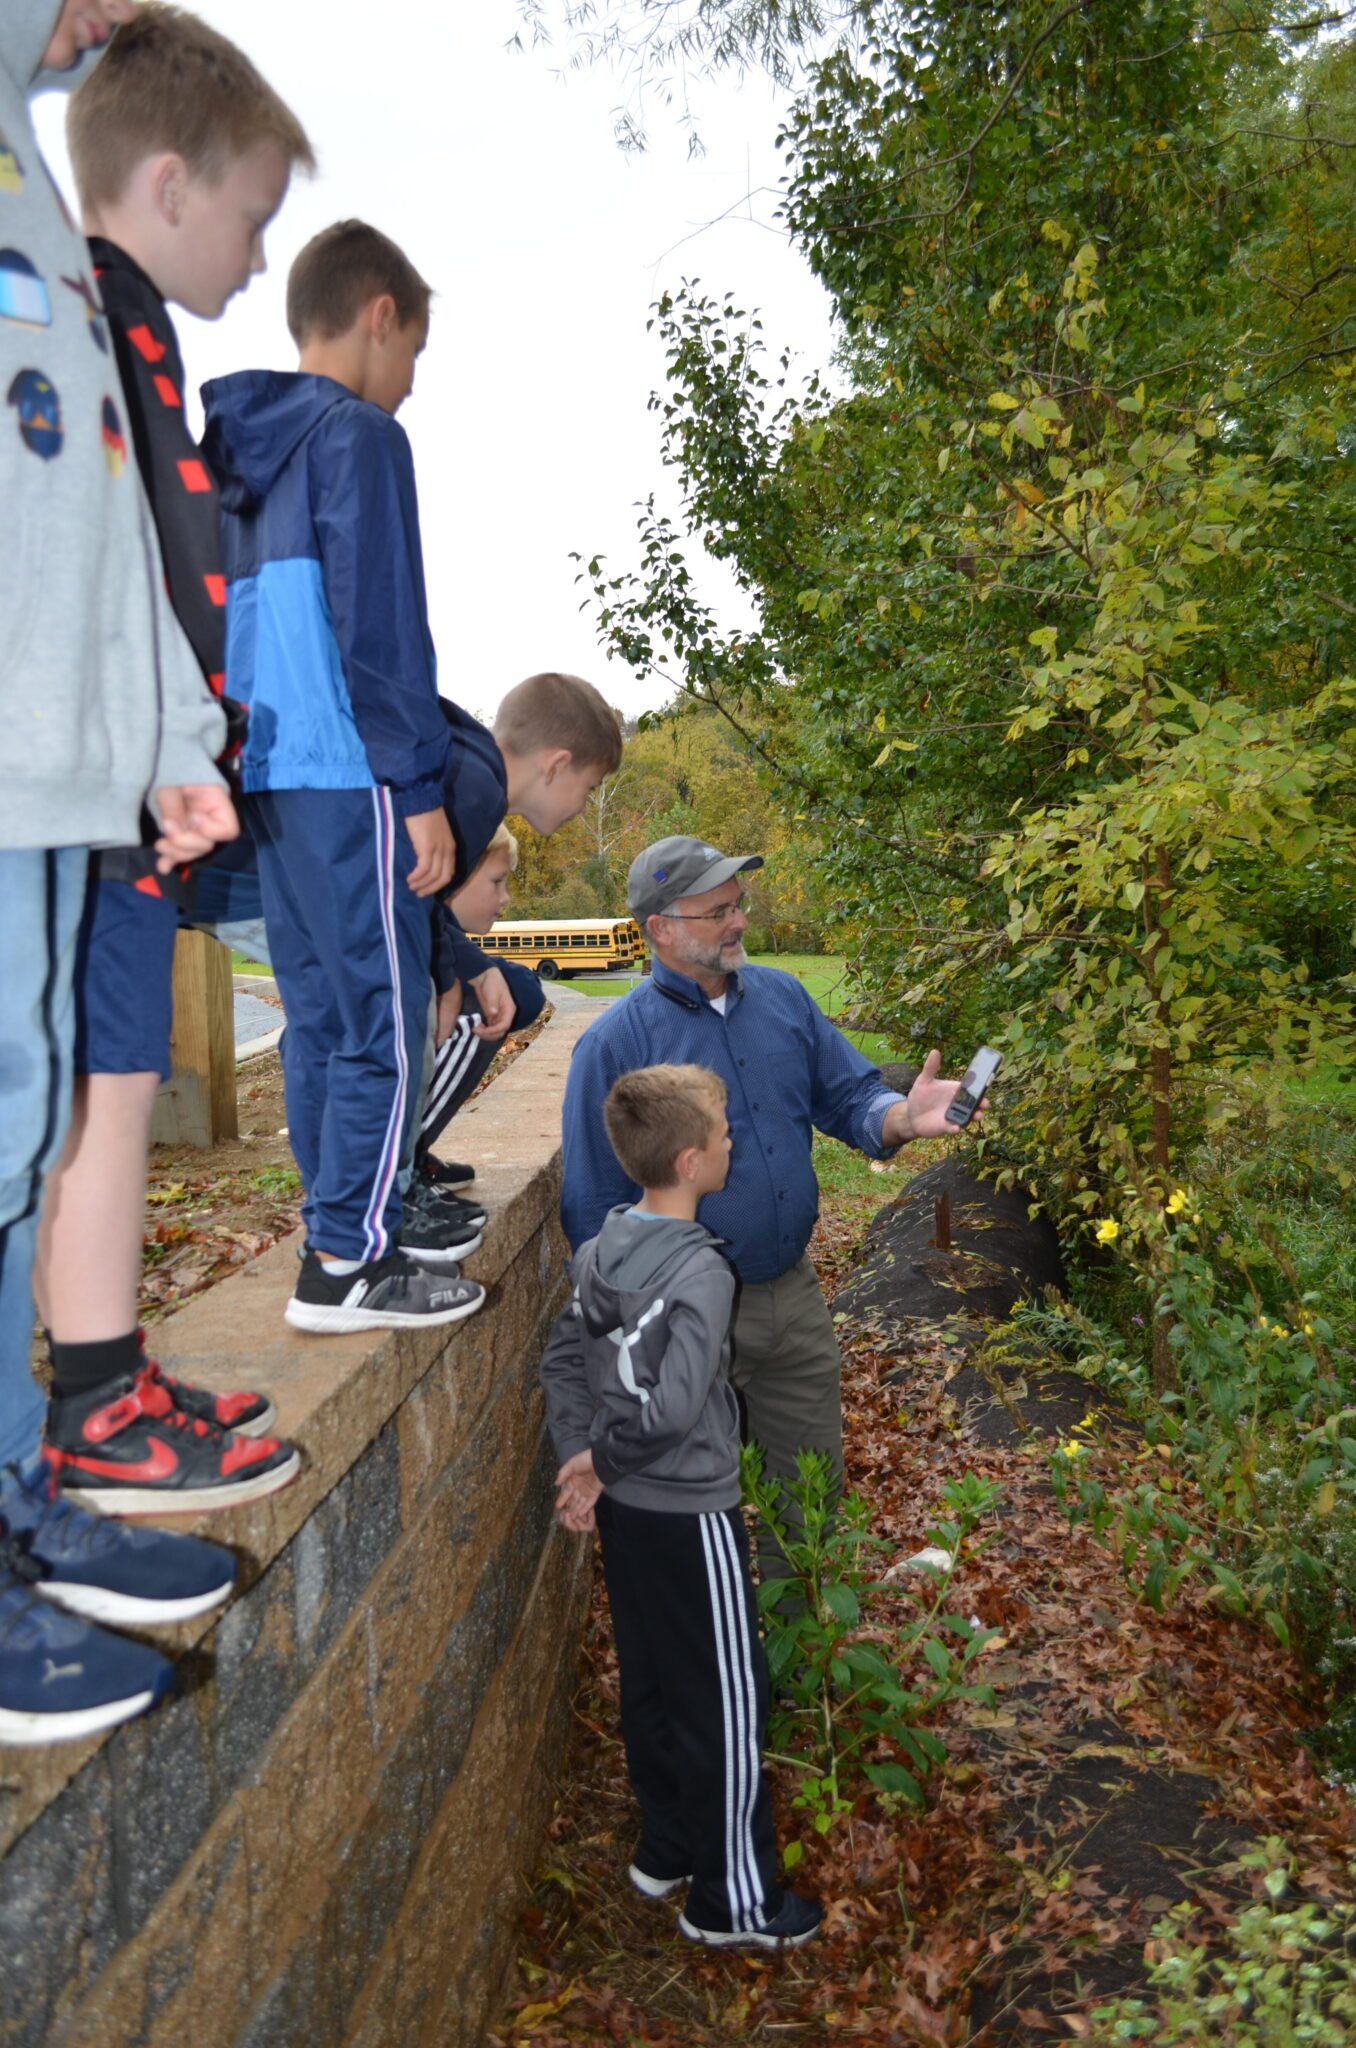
(646, 1424)
(102, 710)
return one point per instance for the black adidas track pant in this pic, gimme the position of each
(693, 1706)
(459, 1066)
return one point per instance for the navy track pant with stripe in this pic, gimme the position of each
(693, 1706)
(352, 949)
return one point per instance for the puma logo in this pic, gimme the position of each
(52, 1672)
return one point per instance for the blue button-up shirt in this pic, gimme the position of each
(787, 1071)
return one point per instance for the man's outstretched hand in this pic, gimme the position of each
(922, 1113)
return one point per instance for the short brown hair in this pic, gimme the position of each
(341, 270)
(552, 710)
(654, 1113)
(169, 82)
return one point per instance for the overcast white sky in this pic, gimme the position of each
(546, 245)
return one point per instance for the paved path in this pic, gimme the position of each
(254, 1019)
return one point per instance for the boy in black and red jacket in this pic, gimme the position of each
(182, 155)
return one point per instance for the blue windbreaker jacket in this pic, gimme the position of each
(327, 636)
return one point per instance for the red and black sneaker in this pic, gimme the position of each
(246, 1414)
(126, 1448)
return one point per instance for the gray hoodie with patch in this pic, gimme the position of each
(101, 700)
(635, 1368)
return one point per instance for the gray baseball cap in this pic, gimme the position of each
(680, 867)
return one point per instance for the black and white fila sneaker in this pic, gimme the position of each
(385, 1294)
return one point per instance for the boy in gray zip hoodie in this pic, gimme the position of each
(102, 710)
(646, 1424)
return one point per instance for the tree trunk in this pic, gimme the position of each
(1160, 1095)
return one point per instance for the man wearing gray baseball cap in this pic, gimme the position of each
(787, 1072)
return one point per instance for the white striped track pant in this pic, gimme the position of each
(458, 1067)
(693, 1706)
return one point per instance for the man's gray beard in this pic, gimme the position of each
(727, 960)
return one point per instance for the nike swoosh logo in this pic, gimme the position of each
(160, 1463)
(55, 1671)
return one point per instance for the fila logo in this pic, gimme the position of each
(624, 1343)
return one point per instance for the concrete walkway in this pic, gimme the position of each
(256, 1021)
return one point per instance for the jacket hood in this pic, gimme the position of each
(256, 421)
(631, 1255)
(25, 31)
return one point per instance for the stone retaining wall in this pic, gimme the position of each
(320, 1841)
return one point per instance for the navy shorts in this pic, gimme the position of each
(124, 981)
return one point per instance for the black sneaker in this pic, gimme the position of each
(655, 1887)
(424, 1199)
(795, 1922)
(385, 1294)
(445, 1172)
(127, 1449)
(432, 1238)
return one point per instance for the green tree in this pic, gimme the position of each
(1055, 603)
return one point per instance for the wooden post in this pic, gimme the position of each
(941, 1218)
(196, 1106)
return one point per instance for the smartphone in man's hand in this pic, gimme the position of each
(974, 1087)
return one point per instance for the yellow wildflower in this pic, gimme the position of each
(1176, 1202)
(1071, 1450)
(1108, 1230)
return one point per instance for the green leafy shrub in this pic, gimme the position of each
(1287, 1977)
(841, 1705)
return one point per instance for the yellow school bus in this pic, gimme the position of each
(562, 946)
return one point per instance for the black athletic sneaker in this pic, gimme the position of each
(426, 1200)
(433, 1238)
(445, 1172)
(795, 1922)
(655, 1887)
(127, 1449)
(385, 1294)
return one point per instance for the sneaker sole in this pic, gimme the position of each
(655, 1887)
(324, 1320)
(102, 1603)
(712, 1938)
(193, 1500)
(25, 1731)
(262, 1425)
(443, 1258)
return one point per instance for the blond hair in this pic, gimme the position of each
(503, 841)
(654, 1113)
(169, 82)
(551, 710)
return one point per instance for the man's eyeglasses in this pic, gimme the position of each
(718, 917)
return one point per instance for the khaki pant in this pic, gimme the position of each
(786, 1366)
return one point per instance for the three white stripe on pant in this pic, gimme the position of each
(450, 1063)
(376, 1241)
(739, 1703)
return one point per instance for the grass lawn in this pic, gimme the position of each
(240, 965)
(823, 975)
